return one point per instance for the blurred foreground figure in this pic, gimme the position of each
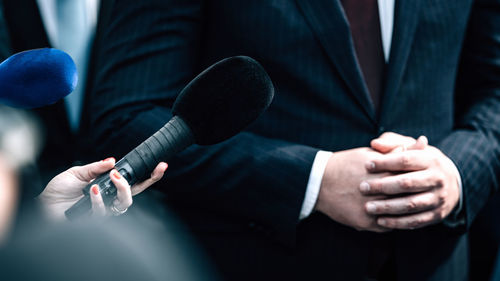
(133, 247)
(19, 145)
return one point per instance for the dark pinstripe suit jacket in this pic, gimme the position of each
(441, 81)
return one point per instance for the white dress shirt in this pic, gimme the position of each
(386, 15)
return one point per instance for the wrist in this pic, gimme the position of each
(314, 183)
(326, 186)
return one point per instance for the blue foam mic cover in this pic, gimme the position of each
(36, 78)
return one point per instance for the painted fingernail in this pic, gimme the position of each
(116, 175)
(109, 159)
(364, 187)
(95, 189)
(370, 207)
(382, 222)
(370, 165)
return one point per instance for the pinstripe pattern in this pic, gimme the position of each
(254, 183)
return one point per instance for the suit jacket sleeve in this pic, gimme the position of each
(149, 52)
(474, 144)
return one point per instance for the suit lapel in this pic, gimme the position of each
(25, 25)
(405, 23)
(329, 24)
(5, 48)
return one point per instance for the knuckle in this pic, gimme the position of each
(414, 223)
(377, 164)
(435, 160)
(437, 216)
(375, 186)
(441, 197)
(411, 205)
(383, 207)
(364, 224)
(405, 183)
(74, 169)
(440, 181)
(405, 161)
(389, 223)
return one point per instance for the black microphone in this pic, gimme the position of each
(214, 106)
(36, 78)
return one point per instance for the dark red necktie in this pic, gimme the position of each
(365, 29)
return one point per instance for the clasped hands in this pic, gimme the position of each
(398, 183)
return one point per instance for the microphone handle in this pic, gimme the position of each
(138, 164)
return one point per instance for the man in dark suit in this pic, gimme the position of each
(22, 28)
(249, 199)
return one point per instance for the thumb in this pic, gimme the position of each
(389, 141)
(91, 171)
(420, 144)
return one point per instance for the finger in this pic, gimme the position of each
(420, 144)
(123, 193)
(156, 175)
(404, 205)
(411, 182)
(381, 230)
(411, 160)
(98, 207)
(92, 170)
(389, 141)
(410, 222)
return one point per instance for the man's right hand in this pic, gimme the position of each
(339, 196)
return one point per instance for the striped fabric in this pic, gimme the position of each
(243, 197)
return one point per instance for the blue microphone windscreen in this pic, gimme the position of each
(37, 78)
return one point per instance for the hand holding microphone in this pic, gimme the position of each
(65, 189)
(213, 107)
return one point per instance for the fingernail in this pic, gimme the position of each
(370, 207)
(382, 222)
(116, 175)
(95, 189)
(166, 167)
(364, 187)
(370, 165)
(109, 159)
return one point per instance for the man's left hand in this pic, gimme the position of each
(424, 193)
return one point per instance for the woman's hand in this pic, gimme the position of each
(65, 189)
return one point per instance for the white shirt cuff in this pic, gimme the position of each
(314, 183)
(460, 191)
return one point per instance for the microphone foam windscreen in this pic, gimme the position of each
(225, 98)
(37, 78)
